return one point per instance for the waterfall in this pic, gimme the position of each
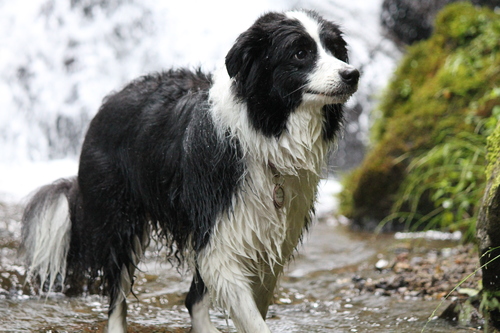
(60, 58)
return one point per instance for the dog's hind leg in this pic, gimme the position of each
(198, 304)
(117, 314)
(121, 287)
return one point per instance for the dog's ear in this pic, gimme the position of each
(250, 47)
(247, 50)
(235, 57)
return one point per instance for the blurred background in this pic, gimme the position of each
(420, 64)
(59, 59)
(420, 142)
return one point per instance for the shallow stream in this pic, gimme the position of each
(315, 295)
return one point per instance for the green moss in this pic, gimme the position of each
(433, 122)
(490, 304)
(493, 157)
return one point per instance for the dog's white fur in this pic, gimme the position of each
(49, 242)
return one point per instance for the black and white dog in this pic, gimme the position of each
(222, 168)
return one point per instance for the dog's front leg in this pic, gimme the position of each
(245, 314)
(198, 304)
(229, 286)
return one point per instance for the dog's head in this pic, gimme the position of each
(285, 60)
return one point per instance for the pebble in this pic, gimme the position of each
(427, 273)
(382, 264)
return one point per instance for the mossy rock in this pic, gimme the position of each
(437, 108)
(488, 235)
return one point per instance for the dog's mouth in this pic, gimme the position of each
(343, 91)
(326, 94)
(338, 96)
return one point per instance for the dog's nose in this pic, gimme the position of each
(350, 76)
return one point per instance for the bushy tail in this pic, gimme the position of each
(46, 232)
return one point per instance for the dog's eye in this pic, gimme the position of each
(301, 55)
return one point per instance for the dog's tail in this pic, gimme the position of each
(46, 232)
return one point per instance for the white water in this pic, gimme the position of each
(57, 63)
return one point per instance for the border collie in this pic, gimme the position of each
(222, 168)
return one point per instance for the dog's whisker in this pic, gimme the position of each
(296, 90)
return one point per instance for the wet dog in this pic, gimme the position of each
(223, 168)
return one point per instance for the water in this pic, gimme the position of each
(316, 294)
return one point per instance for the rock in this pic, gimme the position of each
(488, 234)
(382, 264)
(463, 312)
(401, 266)
(408, 21)
(432, 123)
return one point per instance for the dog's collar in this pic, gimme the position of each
(278, 191)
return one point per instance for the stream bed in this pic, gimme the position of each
(332, 285)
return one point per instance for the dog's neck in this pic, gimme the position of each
(300, 146)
